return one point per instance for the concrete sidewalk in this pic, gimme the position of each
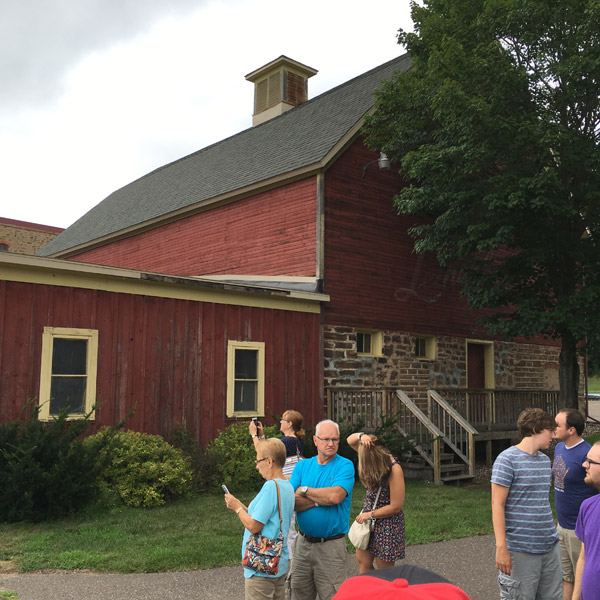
(469, 563)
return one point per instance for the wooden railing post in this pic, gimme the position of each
(437, 462)
(329, 411)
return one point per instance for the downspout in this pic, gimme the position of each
(320, 273)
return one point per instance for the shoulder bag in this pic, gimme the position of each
(360, 533)
(262, 554)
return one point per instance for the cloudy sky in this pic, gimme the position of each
(96, 93)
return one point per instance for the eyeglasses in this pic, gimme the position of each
(591, 462)
(261, 459)
(329, 440)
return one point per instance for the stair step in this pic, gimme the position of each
(461, 477)
(453, 467)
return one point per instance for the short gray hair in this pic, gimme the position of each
(327, 422)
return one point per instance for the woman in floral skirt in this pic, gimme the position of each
(378, 468)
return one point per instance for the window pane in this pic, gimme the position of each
(363, 343)
(69, 357)
(245, 396)
(420, 347)
(246, 364)
(67, 391)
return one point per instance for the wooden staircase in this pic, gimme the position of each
(443, 439)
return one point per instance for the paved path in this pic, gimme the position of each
(469, 563)
(594, 409)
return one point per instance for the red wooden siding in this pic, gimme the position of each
(374, 278)
(165, 358)
(272, 233)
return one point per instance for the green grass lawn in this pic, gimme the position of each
(201, 533)
(594, 384)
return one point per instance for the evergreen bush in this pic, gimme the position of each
(46, 471)
(143, 469)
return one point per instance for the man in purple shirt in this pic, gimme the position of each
(587, 576)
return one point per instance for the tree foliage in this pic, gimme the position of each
(495, 128)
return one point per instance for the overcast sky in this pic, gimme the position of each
(96, 93)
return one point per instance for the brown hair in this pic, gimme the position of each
(574, 418)
(534, 420)
(273, 448)
(296, 420)
(374, 464)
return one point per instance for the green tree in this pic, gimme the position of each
(495, 128)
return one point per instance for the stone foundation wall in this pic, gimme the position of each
(516, 365)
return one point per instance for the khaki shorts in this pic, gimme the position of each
(264, 588)
(570, 547)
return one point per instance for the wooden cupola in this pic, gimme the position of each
(279, 86)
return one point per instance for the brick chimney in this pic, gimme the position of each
(279, 86)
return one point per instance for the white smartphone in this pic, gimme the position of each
(225, 489)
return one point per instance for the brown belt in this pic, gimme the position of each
(317, 540)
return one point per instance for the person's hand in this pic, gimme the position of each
(365, 440)
(362, 517)
(232, 502)
(252, 428)
(503, 560)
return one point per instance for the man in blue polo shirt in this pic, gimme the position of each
(323, 487)
(570, 489)
(527, 550)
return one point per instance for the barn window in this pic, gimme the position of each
(3, 247)
(245, 379)
(369, 342)
(425, 347)
(68, 372)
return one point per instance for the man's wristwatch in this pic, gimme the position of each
(303, 490)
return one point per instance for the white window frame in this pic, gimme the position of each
(48, 336)
(232, 346)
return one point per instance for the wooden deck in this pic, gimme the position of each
(458, 417)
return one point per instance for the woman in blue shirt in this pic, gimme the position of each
(262, 515)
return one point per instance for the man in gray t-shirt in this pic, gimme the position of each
(527, 551)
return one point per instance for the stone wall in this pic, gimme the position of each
(25, 238)
(516, 365)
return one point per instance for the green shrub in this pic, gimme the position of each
(143, 469)
(46, 471)
(233, 454)
(203, 461)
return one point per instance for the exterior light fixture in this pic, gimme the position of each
(383, 162)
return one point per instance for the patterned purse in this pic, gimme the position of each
(262, 554)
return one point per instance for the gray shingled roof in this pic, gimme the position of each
(300, 137)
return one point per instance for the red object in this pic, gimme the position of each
(370, 588)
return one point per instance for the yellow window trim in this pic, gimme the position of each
(430, 346)
(232, 346)
(91, 335)
(376, 342)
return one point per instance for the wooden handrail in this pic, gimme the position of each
(420, 441)
(449, 409)
(459, 434)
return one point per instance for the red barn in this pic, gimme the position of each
(299, 198)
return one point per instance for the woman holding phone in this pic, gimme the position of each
(262, 515)
(290, 426)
